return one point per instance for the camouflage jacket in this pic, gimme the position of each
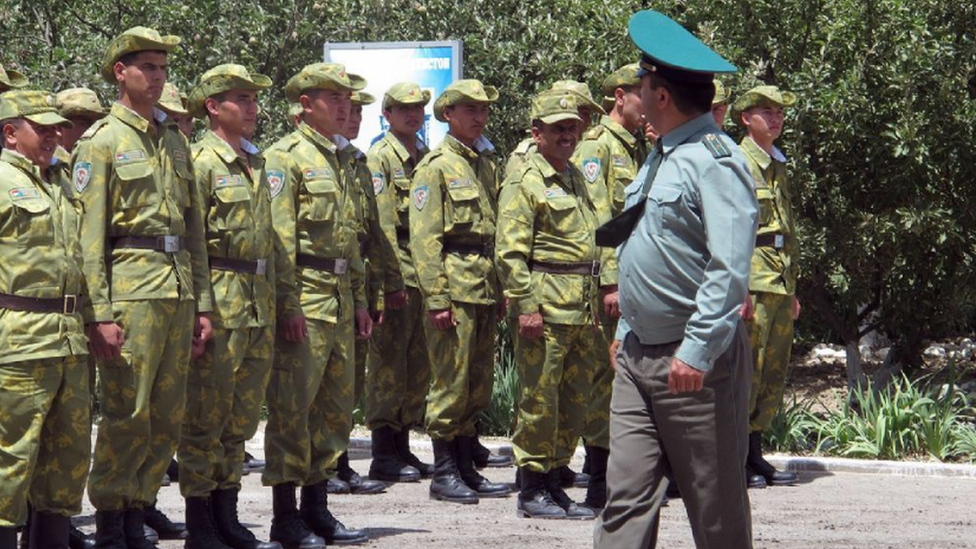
(134, 178)
(235, 204)
(517, 159)
(42, 258)
(315, 213)
(607, 154)
(551, 217)
(454, 204)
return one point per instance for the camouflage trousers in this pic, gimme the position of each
(555, 372)
(310, 403)
(224, 393)
(45, 437)
(462, 371)
(771, 334)
(143, 396)
(398, 372)
(596, 432)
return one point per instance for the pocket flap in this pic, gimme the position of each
(663, 194)
(561, 203)
(134, 170)
(32, 205)
(232, 194)
(320, 185)
(461, 194)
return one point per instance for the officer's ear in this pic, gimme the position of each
(9, 131)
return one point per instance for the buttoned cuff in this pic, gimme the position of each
(695, 355)
(438, 303)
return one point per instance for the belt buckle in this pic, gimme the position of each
(595, 269)
(341, 266)
(778, 241)
(262, 267)
(169, 244)
(69, 305)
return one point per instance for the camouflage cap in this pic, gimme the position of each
(81, 102)
(585, 98)
(39, 107)
(322, 76)
(172, 101)
(362, 98)
(721, 93)
(134, 40)
(625, 76)
(11, 79)
(220, 79)
(760, 96)
(405, 93)
(464, 91)
(553, 106)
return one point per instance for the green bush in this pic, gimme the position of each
(499, 419)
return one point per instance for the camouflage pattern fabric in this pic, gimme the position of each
(596, 431)
(517, 159)
(143, 397)
(771, 335)
(607, 154)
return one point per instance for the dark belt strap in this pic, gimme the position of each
(259, 267)
(770, 241)
(68, 304)
(168, 244)
(484, 250)
(335, 265)
(589, 268)
(403, 233)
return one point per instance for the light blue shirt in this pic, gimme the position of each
(684, 271)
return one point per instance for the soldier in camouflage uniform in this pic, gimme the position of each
(145, 262)
(549, 265)
(45, 444)
(173, 103)
(11, 80)
(773, 305)
(380, 278)
(321, 303)
(452, 229)
(720, 103)
(226, 385)
(82, 108)
(398, 371)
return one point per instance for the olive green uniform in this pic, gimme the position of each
(310, 395)
(517, 159)
(772, 283)
(398, 371)
(226, 385)
(547, 217)
(452, 231)
(145, 262)
(45, 441)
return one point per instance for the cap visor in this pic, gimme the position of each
(559, 117)
(49, 119)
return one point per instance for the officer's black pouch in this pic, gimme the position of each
(613, 233)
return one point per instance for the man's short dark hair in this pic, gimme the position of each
(130, 57)
(690, 98)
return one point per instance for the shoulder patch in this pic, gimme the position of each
(591, 168)
(420, 196)
(81, 176)
(379, 183)
(276, 180)
(716, 146)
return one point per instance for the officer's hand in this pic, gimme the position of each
(796, 308)
(614, 350)
(611, 302)
(747, 311)
(530, 326)
(294, 328)
(364, 324)
(396, 300)
(106, 339)
(202, 333)
(684, 378)
(442, 319)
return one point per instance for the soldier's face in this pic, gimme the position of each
(35, 142)
(70, 136)
(467, 121)
(355, 121)
(237, 111)
(557, 141)
(718, 112)
(764, 122)
(405, 119)
(143, 78)
(327, 111)
(631, 108)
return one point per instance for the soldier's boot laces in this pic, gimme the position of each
(287, 527)
(534, 500)
(109, 530)
(562, 499)
(401, 442)
(223, 505)
(447, 484)
(470, 476)
(357, 484)
(134, 527)
(484, 458)
(200, 525)
(315, 513)
(162, 525)
(758, 464)
(49, 531)
(387, 465)
(596, 490)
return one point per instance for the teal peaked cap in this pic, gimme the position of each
(673, 52)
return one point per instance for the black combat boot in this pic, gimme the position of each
(447, 484)
(534, 500)
(596, 490)
(202, 532)
(109, 532)
(357, 484)
(79, 540)
(387, 464)
(758, 464)
(401, 443)
(160, 523)
(484, 458)
(315, 513)
(253, 464)
(223, 506)
(336, 485)
(8, 537)
(470, 476)
(562, 499)
(134, 527)
(287, 527)
(49, 531)
(569, 478)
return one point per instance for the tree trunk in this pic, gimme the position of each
(855, 371)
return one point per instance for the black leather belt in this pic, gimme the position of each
(258, 267)
(770, 241)
(68, 304)
(335, 265)
(589, 268)
(168, 244)
(484, 250)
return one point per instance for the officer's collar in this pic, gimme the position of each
(629, 139)
(223, 148)
(483, 145)
(134, 119)
(22, 163)
(317, 138)
(401, 151)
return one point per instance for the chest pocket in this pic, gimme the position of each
(664, 203)
(231, 208)
(321, 199)
(402, 187)
(138, 185)
(34, 224)
(767, 205)
(184, 178)
(563, 214)
(464, 206)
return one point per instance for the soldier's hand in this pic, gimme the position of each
(294, 328)
(442, 319)
(747, 311)
(611, 301)
(530, 326)
(395, 300)
(378, 317)
(106, 339)
(796, 308)
(202, 333)
(364, 324)
(614, 349)
(684, 378)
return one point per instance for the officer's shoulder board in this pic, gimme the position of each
(716, 146)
